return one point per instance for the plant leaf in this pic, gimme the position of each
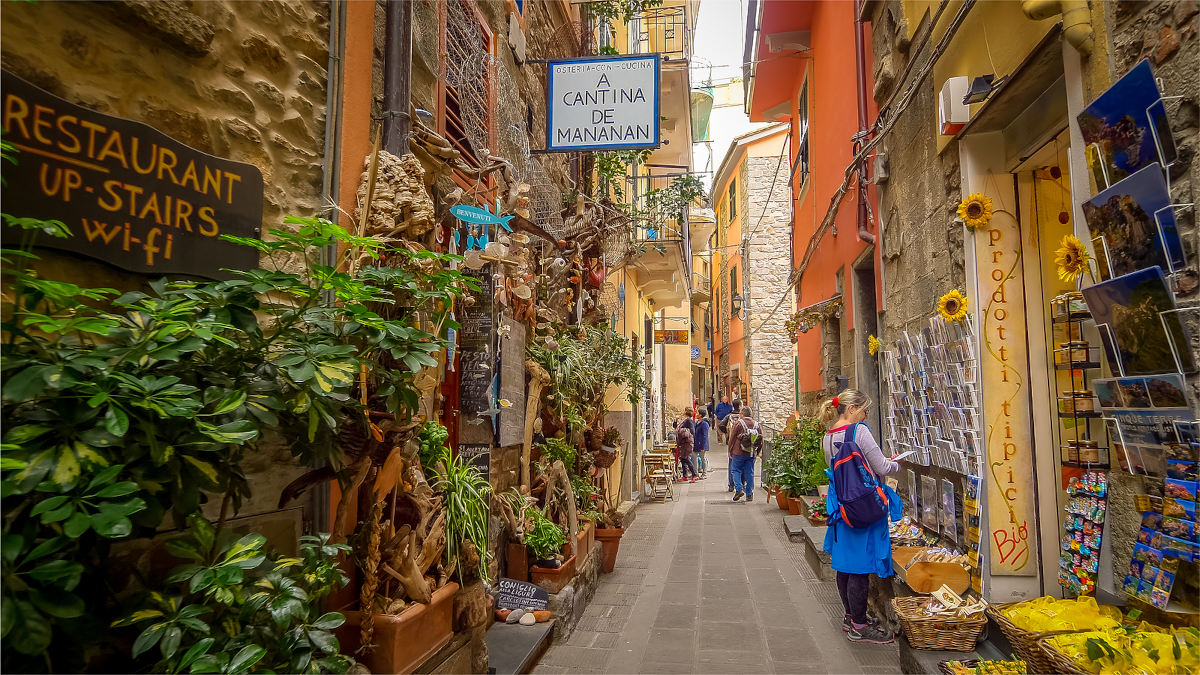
(245, 659)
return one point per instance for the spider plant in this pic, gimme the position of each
(464, 491)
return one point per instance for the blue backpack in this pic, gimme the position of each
(861, 500)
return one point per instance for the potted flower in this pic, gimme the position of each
(609, 446)
(819, 514)
(545, 541)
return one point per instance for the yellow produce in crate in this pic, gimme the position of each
(1047, 614)
(1149, 650)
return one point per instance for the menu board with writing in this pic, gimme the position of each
(513, 594)
(478, 454)
(476, 394)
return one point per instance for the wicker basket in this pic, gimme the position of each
(957, 634)
(944, 666)
(604, 458)
(1024, 642)
(1056, 661)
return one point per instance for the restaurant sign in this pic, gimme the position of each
(129, 194)
(608, 103)
(671, 337)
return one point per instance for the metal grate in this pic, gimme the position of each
(470, 72)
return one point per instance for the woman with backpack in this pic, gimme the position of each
(860, 507)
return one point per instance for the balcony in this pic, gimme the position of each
(701, 288)
(662, 246)
(663, 30)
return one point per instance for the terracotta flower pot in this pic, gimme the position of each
(403, 641)
(585, 538)
(553, 579)
(794, 506)
(781, 499)
(610, 539)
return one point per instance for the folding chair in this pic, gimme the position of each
(659, 476)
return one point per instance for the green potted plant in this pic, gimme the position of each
(609, 447)
(545, 541)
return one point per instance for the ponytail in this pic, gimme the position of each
(833, 408)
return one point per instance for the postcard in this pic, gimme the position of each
(1178, 548)
(1167, 391)
(1181, 470)
(1145, 590)
(1118, 126)
(1165, 580)
(1146, 536)
(1127, 311)
(948, 519)
(1130, 585)
(1150, 573)
(1179, 508)
(1154, 459)
(1109, 393)
(1135, 568)
(1124, 216)
(1135, 393)
(1159, 597)
(1180, 529)
(1181, 490)
(1147, 554)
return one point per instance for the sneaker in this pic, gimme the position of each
(737, 496)
(870, 634)
(846, 624)
(749, 498)
(694, 479)
(729, 490)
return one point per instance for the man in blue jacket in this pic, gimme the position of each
(722, 411)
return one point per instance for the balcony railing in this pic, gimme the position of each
(654, 224)
(663, 30)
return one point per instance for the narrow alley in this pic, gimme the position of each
(706, 585)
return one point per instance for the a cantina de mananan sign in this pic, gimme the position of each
(608, 103)
(130, 195)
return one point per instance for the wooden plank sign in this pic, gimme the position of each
(671, 337)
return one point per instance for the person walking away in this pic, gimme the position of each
(722, 413)
(700, 443)
(684, 444)
(859, 547)
(745, 443)
(708, 407)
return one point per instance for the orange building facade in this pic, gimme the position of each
(804, 71)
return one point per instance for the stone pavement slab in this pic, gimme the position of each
(704, 585)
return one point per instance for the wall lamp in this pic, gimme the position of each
(981, 88)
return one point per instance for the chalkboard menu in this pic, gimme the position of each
(512, 383)
(478, 358)
(513, 594)
(478, 454)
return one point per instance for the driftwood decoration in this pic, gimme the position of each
(539, 378)
(556, 476)
(399, 206)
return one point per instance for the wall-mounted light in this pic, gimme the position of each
(980, 89)
(736, 302)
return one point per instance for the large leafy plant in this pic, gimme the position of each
(237, 608)
(464, 491)
(120, 409)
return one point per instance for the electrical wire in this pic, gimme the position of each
(884, 123)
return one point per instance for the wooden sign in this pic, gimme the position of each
(1004, 367)
(130, 195)
(671, 337)
(513, 594)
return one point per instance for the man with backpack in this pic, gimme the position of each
(745, 443)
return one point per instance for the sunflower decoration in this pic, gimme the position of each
(872, 345)
(952, 306)
(1071, 259)
(975, 211)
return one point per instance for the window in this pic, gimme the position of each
(465, 92)
(733, 289)
(801, 163)
(732, 206)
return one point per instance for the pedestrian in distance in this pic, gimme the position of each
(722, 413)
(708, 407)
(701, 442)
(745, 444)
(685, 446)
(860, 506)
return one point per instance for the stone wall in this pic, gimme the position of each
(769, 363)
(241, 80)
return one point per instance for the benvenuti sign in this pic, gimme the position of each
(130, 195)
(607, 103)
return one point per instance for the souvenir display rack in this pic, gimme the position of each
(1083, 528)
(1075, 361)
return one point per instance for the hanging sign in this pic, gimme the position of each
(671, 337)
(608, 103)
(1004, 367)
(130, 195)
(695, 353)
(513, 594)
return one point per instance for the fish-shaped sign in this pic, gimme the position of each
(478, 216)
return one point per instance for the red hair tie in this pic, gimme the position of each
(835, 401)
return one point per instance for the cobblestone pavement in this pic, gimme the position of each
(704, 585)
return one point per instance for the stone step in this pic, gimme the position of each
(513, 648)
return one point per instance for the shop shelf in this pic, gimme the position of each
(1086, 465)
(1094, 414)
(1075, 317)
(1077, 365)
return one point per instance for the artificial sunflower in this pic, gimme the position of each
(952, 306)
(1071, 259)
(872, 345)
(975, 211)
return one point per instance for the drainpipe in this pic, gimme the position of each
(1076, 20)
(397, 71)
(861, 77)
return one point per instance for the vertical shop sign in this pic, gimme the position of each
(129, 194)
(1004, 368)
